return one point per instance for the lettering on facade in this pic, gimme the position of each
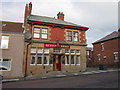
(56, 46)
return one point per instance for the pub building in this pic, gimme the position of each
(52, 44)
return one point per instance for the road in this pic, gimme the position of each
(101, 80)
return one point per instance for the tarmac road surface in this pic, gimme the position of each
(100, 80)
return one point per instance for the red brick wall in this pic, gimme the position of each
(57, 34)
(110, 46)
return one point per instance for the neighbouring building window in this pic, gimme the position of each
(4, 42)
(72, 36)
(67, 51)
(72, 51)
(102, 47)
(116, 56)
(75, 37)
(77, 51)
(67, 59)
(69, 36)
(44, 33)
(105, 58)
(46, 59)
(33, 57)
(72, 59)
(99, 57)
(39, 59)
(78, 59)
(46, 50)
(5, 64)
(36, 33)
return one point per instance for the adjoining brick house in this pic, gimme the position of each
(53, 44)
(89, 54)
(11, 49)
(107, 50)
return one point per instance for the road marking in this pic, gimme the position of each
(75, 74)
(60, 75)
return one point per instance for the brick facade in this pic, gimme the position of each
(60, 54)
(107, 56)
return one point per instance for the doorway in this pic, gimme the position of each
(57, 63)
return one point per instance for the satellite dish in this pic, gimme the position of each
(27, 35)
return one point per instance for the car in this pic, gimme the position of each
(3, 68)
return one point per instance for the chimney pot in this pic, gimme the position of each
(60, 16)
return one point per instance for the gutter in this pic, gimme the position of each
(26, 60)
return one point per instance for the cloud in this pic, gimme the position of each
(101, 17)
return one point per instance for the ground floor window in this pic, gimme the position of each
(5, 64)
(116, 56)
(99, 57)
(67, 62)
(72, 59)
(77, 59)
(39, 59)
(33, 59)
(46, 59)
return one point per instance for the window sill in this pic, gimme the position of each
(73, 64)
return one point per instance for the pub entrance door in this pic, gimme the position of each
(57, 63)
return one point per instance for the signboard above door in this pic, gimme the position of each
(56, 45)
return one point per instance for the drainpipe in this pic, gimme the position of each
(26, 61)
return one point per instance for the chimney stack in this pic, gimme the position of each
(60, 16)
(28, 10)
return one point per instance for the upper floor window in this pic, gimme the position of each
(69, 36)
(44, 34)
(102, 47)
(72, 36)
(36, 33)
(4, 42)
(40, 33)
(75, 37)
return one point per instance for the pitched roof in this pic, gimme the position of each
(7, 26)
(51, 20)
(110, 36)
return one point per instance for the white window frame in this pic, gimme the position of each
(38, 50)
(66, 63)
(67, 52)
(78, 53)
(31, 58)
(34, 51)
(71, 59)
(57, 51)
(6, 67)
(2, 41)
(115, 56)
(41, 60)
(76, 59)
(47, 60)
(72, 52)
(34, 32)
(47, 50)
(99, 57)
(102, 47)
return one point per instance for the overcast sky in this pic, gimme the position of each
(101, 16)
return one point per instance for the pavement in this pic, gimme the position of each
(63, 74)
